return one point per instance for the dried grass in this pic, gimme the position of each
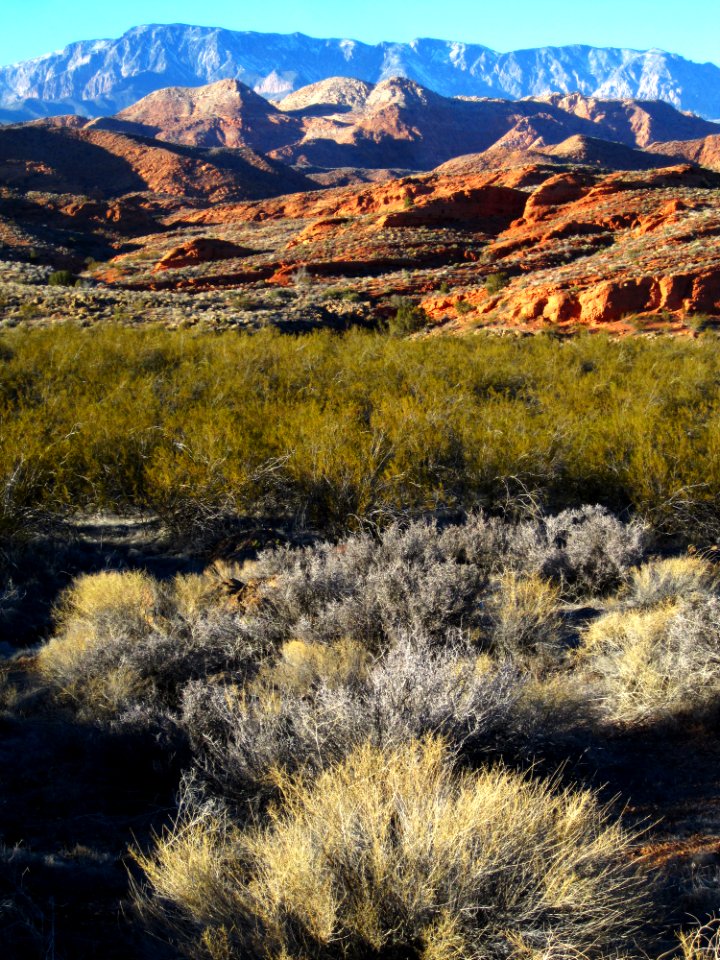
(393, 853)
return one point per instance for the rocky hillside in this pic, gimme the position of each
(222, 114)
(99, 77)
(527, 248)
(55, 158)
(705, 151)
(397, 123)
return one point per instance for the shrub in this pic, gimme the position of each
(297, 718)
(408, 319)
(586, 550)
(699, 322)
(495, 282)
(368, 590)
(324, 611)
(61, 278)
(125, 641)
(701, 942)
(419, 577)
(524, 619)
(392, 853)
(670, 579)
(331, 431)
(655, 663)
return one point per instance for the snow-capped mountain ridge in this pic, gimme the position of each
(100, 77)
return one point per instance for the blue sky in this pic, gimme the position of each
(692, 28)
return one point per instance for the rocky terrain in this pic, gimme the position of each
(213, 205)
(65, 159)
(397, 123)
(100, 77)
(528, 247)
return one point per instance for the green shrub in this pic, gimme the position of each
(350, 296)
(700, 322)
(332, 428)
(408, 318)
(495, 282)
(61, 278)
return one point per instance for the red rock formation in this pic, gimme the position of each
(555, 191)
(101, 163)
(222, 114)
(704, 151)
(659, 219)
(200, 250)
(633, 122)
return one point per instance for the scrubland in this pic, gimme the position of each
(329, 431)
(426, 664)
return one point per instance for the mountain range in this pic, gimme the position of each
(224, 140)
(101, 77)
(561, 209)
(398, 124)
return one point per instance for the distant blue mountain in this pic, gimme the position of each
(100, 77)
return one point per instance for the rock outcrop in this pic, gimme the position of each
(200, 250)
(65, 159)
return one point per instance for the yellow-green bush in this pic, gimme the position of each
(98, 610)
(525, 620)
(302, 665)
(124, 640)
(392, 853)
(332, 428)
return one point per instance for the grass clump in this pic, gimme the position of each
(125, 642)
(656, 663)
(670, 579)
(61, 278)
(525, 619)
(98, 611)
(302, 666)
(392, 853)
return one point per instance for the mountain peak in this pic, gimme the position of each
(214, 99)
(101, 77)
(345, 93)
(400, 92)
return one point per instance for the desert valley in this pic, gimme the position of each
(359, 501)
